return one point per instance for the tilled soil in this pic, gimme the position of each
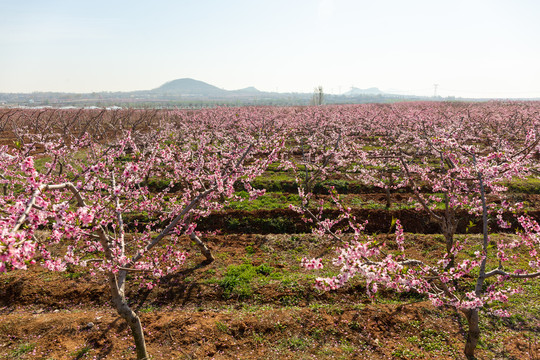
(46, 315)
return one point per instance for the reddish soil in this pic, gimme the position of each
(46, 315)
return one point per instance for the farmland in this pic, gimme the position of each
(365, 231)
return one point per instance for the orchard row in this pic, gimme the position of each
(81, 173)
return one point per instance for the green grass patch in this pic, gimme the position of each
(530, 185)
(237, 280)
(268, 201)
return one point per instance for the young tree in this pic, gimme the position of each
(86, 203)
(430, 146)
(468, 168)
(392, 268)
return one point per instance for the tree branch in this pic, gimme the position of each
(417, 195)
(513, 276)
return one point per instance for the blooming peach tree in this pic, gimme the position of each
(465, 169)
(90, 195)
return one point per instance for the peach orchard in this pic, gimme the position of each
(80, 175)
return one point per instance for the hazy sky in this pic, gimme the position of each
(470, 48)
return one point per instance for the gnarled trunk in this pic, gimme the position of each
(449, 227)
(123, 309)
(473, 335)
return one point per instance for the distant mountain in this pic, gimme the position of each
(247, 91)
(188, 86)
(371, 91)
(193, 88)
(190, 92)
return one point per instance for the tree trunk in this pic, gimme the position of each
(449, 240)
(123, 309)
(472, 315)
(449, 227)
(473, 334)
(204, 249)
(388, 198)
(387, 189)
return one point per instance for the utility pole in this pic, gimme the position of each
(435, 86)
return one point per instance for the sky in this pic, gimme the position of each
(469, 48)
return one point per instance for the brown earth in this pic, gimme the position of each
(46, 315)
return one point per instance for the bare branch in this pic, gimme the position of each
(417, 195)
(192, 205)
(133, 270)
(513, 276)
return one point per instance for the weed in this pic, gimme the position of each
(275, 225)
(359, 306)
(404, 353)
(72, 275)
(332, 309)
(295, 343)
(413, 339)
(148, 309)
(22, 349)
(237, 279)
(291, 285)
(415, 323)
(264, 269)
(430, 340)
(256, 308)
(258, 338)
(280, 326)
(289, 300)
(530, 185)
(301, 249)
(210, 272)
(317, 334)
(222, 255)
(347, 347)
(222, 327)
(82, 352)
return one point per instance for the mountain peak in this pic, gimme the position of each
(248, 90)
(371, 91)
(189, 86)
